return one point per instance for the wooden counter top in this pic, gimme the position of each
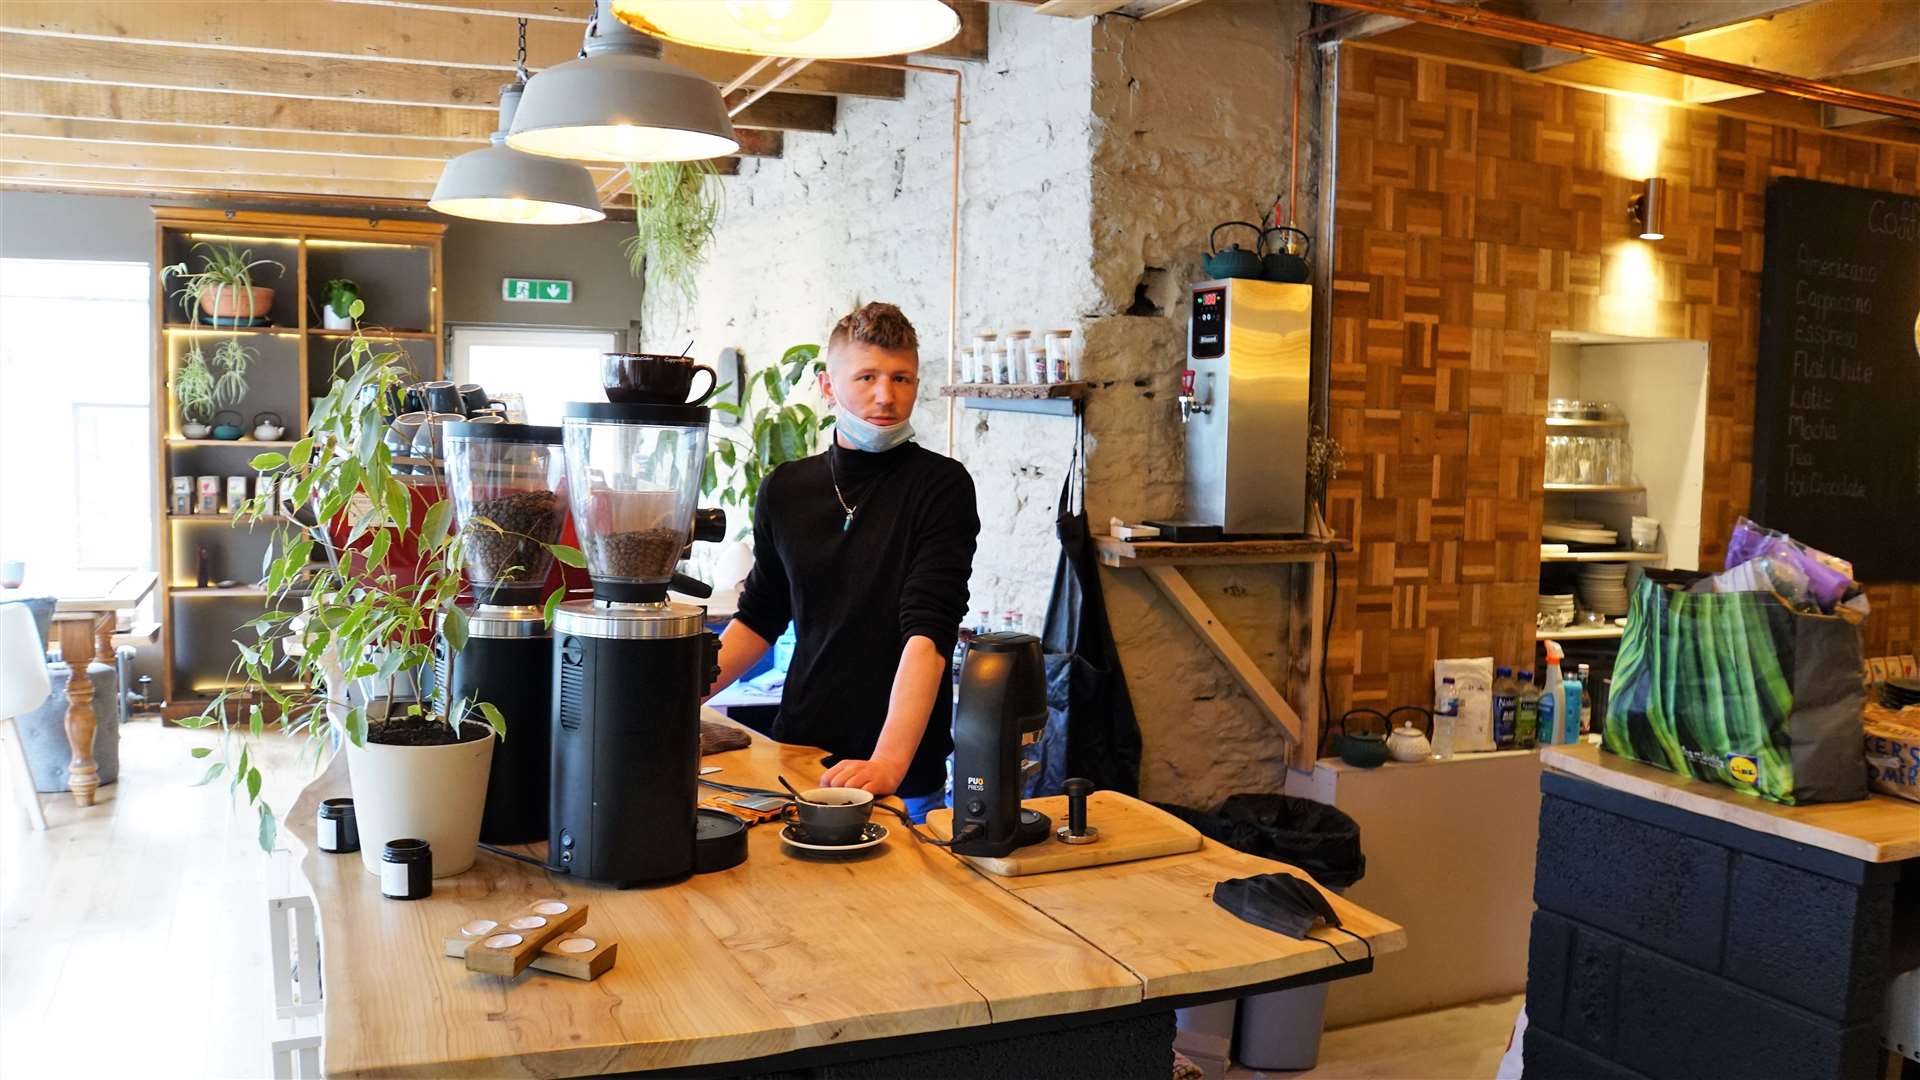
(774, 955)
(1875, 829)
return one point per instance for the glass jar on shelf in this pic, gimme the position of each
(1020, 356)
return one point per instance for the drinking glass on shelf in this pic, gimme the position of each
(1557, 453)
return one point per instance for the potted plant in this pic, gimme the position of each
(781, 430)
(223, 288)
(676, 205)
(194, 388)
(1325, 456)
(343, 670)
(336, 309)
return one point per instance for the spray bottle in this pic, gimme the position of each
(1553, 697)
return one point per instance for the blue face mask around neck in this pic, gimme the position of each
(866, 435)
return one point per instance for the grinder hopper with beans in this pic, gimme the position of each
(631, 665)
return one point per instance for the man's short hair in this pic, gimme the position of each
(882, 326)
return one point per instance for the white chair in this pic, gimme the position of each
(23, 687)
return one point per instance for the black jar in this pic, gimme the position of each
(406, 871)
(338, 831)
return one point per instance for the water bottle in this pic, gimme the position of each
(1445, 718)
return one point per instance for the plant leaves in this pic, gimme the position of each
(213, 771)
(272, 459)
(568, 555)
(554, 600)
(494, 720)
(799, 355)
(201, 751)
(269, 830)
(253, 785)
(256, 722)
(357, 725)
(433, 528)
(454, 627)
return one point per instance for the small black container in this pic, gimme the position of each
(407, 870)
(338, 830)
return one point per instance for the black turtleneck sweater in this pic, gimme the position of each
(856, 594)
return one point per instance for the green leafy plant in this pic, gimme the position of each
(366, 617)
(229, 369)
(676, 205)
(206, 385)
(341, 293)
(223, 268)
(779, 431)
(194, 387)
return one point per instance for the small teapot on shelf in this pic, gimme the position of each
(268, 427)
(1235, 261)
(227, 430)
(1361, 749)
(194, 429)
(1408, 743)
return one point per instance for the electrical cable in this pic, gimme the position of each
(1326, 642)
(528, 859)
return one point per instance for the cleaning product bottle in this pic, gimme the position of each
(1526, 712)
(1446, 717)
(1553, 700)
(1576, 701)
(1504, 697)
(1586, 699)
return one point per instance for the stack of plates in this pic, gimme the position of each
(1603, 587)
(1556, 611)
(1584, 533)
(1901, 692)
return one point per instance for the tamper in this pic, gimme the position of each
(1076, 830)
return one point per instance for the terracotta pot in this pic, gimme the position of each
(232, 304)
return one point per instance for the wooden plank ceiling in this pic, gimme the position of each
(358, 100)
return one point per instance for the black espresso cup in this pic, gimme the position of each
(831, 815)
(473, 398)
(653, 379)
(441, 396)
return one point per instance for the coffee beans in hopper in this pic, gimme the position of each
(529, 519)
(639, 554)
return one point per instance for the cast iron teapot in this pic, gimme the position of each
(1361, 749)
(1236, 261)
(227, 429)
(1288, 259)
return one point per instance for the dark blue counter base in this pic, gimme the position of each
(1668, 944)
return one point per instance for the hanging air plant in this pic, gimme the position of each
(676, 205)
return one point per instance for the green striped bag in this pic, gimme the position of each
(1741, 690)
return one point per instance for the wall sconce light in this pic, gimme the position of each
(1646, 209)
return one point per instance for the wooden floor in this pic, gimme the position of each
(133, 938)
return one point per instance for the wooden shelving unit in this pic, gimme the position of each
(1606, 556)
(1565, 422)
(1598, 489)
(1580, 633)
(399, 267)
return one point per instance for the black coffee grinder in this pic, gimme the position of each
(630, 666)
(508, 487)
(1000, 712)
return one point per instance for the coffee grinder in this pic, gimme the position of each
(508, 487)
(630, 665)
(999, 712)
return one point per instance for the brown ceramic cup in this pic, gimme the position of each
(653, 379)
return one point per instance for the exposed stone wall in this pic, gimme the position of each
(1190, 129)
(864, 214)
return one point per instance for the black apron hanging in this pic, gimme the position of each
(1091, 730)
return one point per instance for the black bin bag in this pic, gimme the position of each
(1320, 839)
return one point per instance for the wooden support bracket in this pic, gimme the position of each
(1266, 697)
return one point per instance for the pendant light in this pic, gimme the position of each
(621, 102)
(502, 184)
(815, 29)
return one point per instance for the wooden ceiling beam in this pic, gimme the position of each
(969, 44)
(200, 160)
(1903, 81)
(1642, 22)
(89, 178)
(473, 53)
(1820, 41)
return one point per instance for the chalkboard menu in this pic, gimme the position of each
(1836, 442)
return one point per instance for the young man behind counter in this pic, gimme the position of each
(866, 549)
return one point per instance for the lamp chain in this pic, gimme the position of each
(593, 28)
(520, 62)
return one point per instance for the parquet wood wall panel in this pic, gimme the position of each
(1475, 213)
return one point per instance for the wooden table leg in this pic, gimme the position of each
(103, 640)
(77, 640)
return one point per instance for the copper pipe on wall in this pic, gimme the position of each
(1482, 21)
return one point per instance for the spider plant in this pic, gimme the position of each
(676, 205)
(194, 386)
(229, 369)
(223, 267)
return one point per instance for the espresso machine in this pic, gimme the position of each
(630, 666)
(1243, 404)
(999, 713)
(508, 484)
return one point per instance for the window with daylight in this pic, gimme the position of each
(546, 368)
(76, 442)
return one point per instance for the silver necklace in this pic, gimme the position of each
(842, 499)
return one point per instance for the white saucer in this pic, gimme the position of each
(873, 834)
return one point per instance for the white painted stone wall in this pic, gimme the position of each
(864, 214)
(1096, 156)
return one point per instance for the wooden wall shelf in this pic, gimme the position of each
(1566, 422)
(1053, 399)
(230, 442)
(1605, 556)
(1580, 633)
(1596, 489)
(1217, 553)
(376, 334)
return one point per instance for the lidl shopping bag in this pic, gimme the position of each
(1739, 689)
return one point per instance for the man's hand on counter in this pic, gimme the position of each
(879, 775)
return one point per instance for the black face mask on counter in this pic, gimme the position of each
(1279, 902)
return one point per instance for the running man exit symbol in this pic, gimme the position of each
(536, 290)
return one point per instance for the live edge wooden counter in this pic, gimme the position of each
(779, 955)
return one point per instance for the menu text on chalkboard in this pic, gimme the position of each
(1837, 411)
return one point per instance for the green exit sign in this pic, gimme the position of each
(536, 290)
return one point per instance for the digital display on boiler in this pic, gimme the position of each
(1207, 335)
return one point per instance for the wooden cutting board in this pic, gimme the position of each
(1129, 830)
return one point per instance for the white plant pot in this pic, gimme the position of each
(431, 793)
(330, 321)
